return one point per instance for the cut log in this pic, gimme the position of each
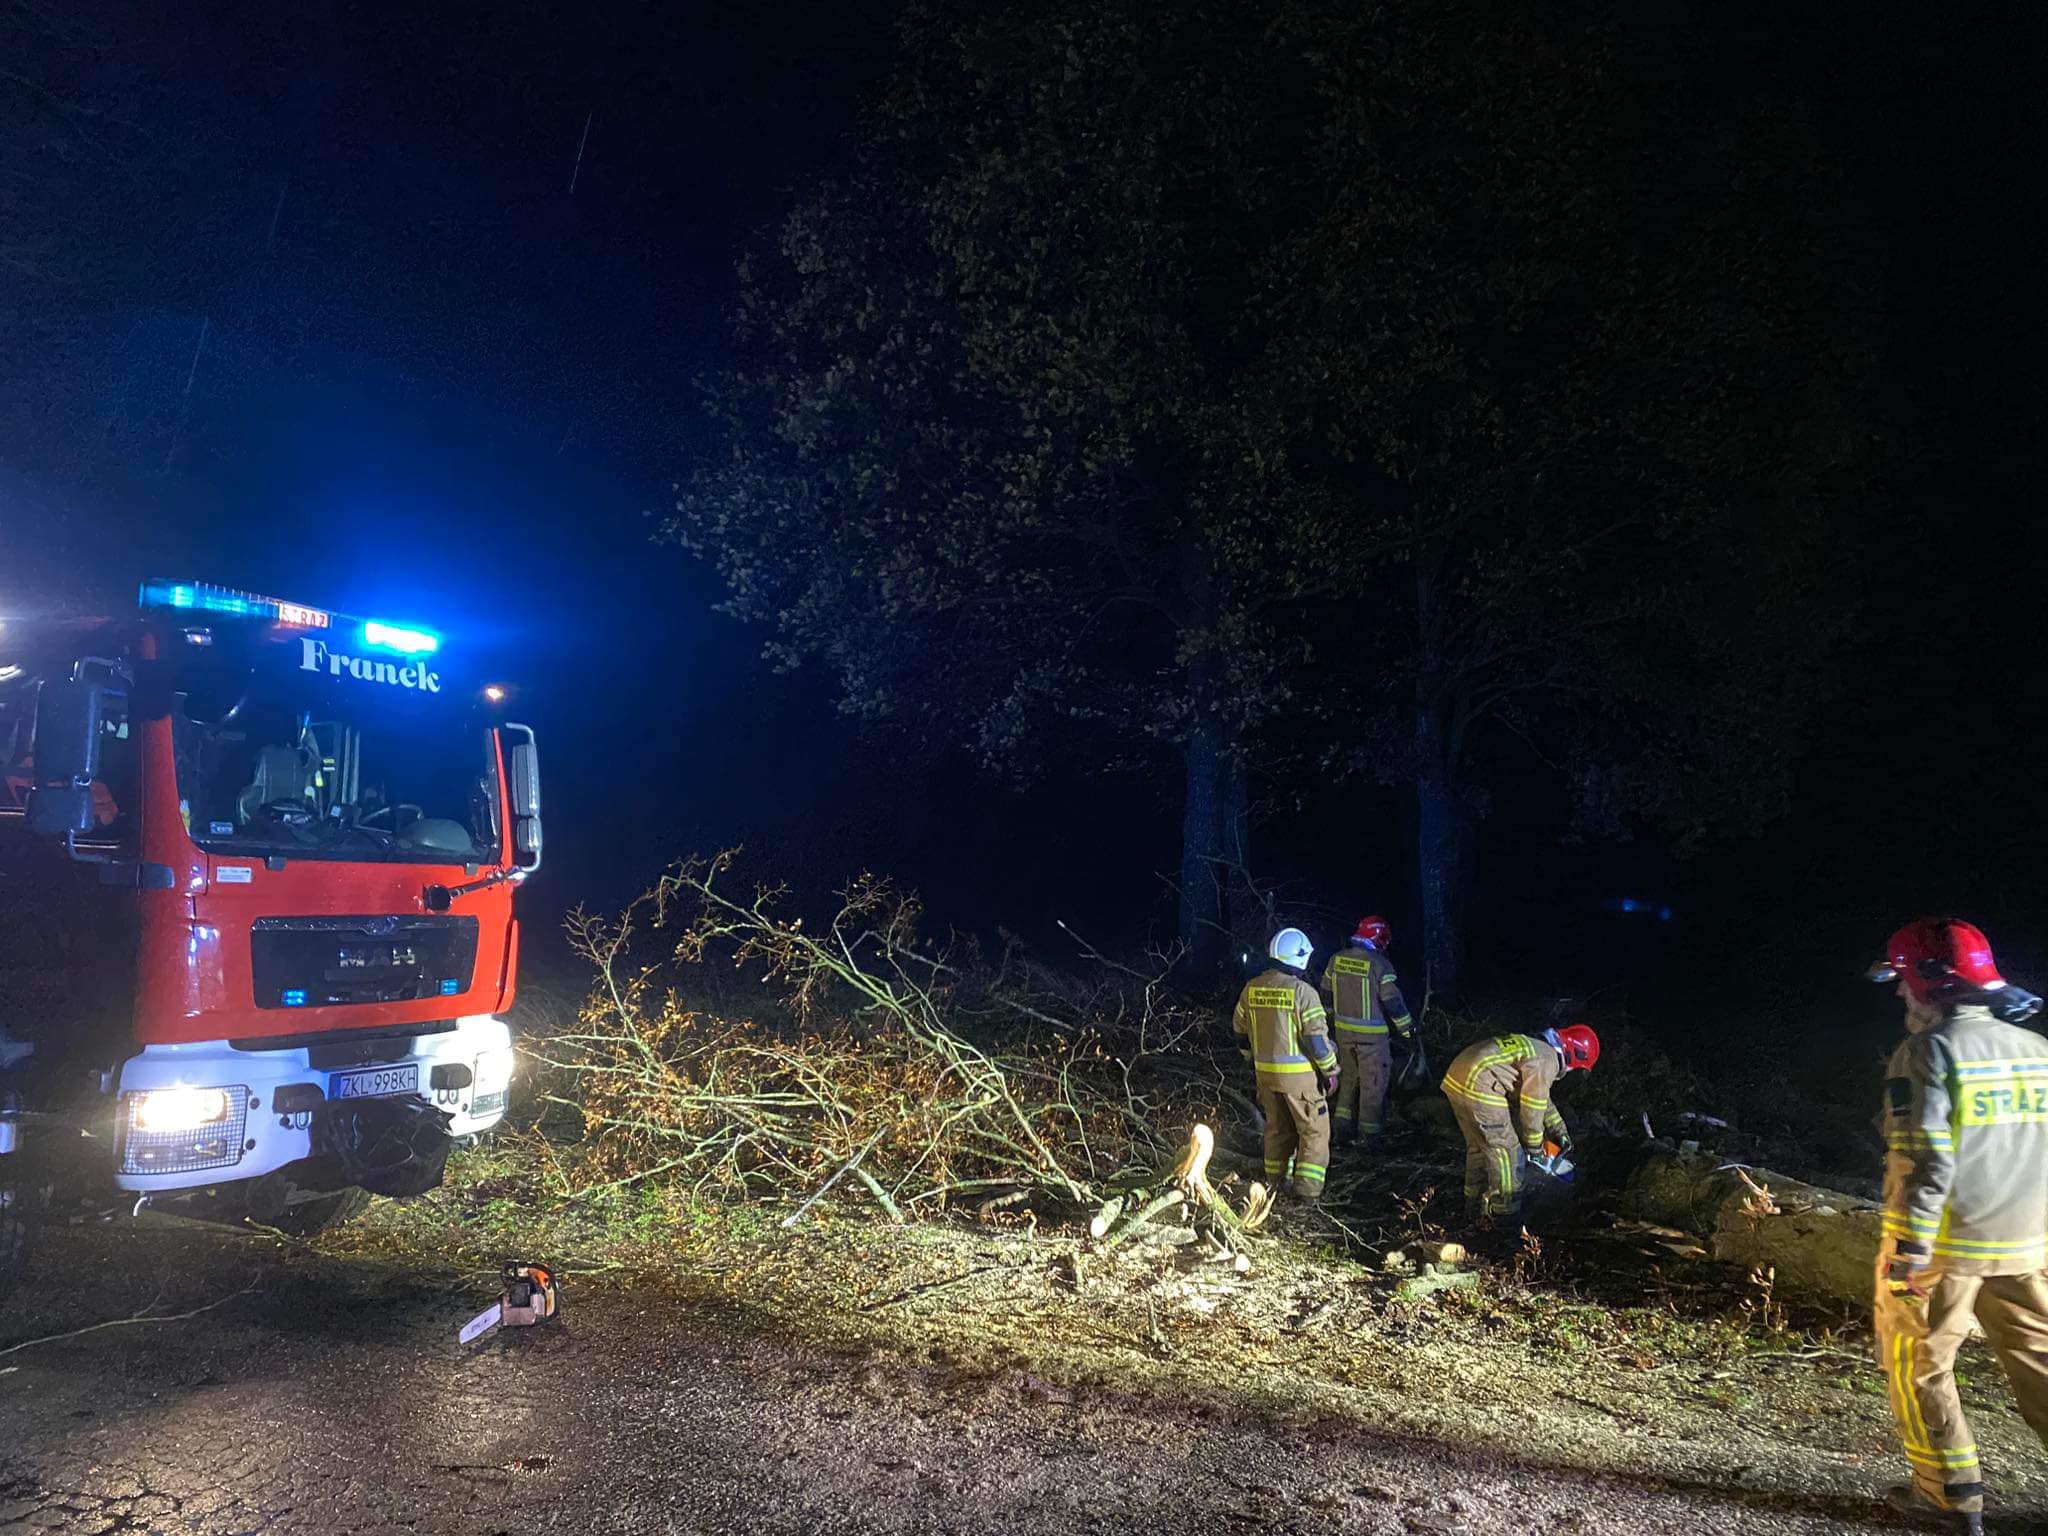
(1136, 1221)
(1106, 1214)
(1821, 1242)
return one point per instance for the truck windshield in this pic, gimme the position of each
(317, 777)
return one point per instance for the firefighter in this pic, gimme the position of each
(1365, 1002)
(1500, 1092)
(1282, 1021)
(1965, 1231)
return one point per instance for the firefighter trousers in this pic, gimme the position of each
(1917, 1342)
(1366, 1063)
(1493, 1158)
(1297, 1133)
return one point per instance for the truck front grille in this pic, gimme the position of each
(328, 962)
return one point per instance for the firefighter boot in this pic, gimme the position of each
(1910, 1502)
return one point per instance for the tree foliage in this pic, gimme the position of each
(1146, 352)
(1576, 354)
(992, 458)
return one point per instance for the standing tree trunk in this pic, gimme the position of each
(1213, 781)
(1212, 841)
(1440, 813)
(1440, 816)
(1247, 907)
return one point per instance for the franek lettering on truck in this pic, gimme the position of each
(318, 656)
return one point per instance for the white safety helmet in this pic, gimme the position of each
(1290, 946)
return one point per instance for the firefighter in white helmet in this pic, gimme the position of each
(1281, 1023)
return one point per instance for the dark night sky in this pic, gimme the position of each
(448, 388)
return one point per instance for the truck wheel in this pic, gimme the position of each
(322, 1212)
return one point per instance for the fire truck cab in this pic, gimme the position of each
(257, 865)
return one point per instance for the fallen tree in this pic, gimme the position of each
(875, 1063)
(1820, 1245)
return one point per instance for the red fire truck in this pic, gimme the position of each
(257, 865)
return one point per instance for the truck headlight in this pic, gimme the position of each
(157, 1111)
(493, 1082)
(181, 1129)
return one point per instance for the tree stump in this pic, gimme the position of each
(1187, 1186)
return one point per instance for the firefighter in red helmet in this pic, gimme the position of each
(1499, 1090)
(1965, 1230)
(1365, 1002)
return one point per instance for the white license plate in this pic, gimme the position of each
(382, 1083)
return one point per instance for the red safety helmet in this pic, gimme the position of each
(1939, 957)
(1581, 1047)
(1374, 931)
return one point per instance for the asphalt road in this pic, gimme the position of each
(334, 1398)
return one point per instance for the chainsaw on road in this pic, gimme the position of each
(529, 1297)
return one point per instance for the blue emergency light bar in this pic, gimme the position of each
(394, 637)
(205, 597)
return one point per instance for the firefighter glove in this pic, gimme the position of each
(1906, 1274)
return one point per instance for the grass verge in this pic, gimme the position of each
(1567, 1353)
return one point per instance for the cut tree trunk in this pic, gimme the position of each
(1821, 1243)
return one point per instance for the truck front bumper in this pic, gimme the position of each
(191, 1116)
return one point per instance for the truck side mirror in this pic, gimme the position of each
(522, 772)
(70, 714)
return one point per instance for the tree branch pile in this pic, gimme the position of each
(880, 1065)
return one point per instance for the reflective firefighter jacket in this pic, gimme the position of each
(1511, 1068)
(1282, 1022)
(1359, 983)
(1966, 1146)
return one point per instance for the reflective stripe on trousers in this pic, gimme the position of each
(1493, 1157)
(1916, 1344)
(1365, 1066)
(1297, 1131)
